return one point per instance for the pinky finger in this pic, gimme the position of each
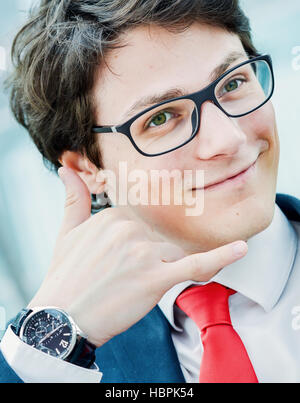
(203, 266)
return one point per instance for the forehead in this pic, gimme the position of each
(155, 60)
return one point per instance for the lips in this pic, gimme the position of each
(232, 176)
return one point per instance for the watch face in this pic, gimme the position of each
(50, 331)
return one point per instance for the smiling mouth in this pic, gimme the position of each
(236, 179)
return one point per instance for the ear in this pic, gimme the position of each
(87, 171)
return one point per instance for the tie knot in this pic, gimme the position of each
(207, 305)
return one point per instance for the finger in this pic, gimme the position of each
(78, 200)
(203, 266)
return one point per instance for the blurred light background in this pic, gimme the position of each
(32, 198)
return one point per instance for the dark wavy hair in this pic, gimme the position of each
(56, 53)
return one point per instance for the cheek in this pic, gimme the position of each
(129, 174)
(261, 125)
(114, 147)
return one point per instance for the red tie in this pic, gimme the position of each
(225, 359)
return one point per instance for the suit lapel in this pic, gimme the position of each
(144, 353)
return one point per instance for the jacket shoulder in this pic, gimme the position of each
(290, 206)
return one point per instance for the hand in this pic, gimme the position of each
(107, 274)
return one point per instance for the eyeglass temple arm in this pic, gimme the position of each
(100, 129)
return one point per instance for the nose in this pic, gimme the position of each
(218, 134)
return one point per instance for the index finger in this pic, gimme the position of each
(203, 266)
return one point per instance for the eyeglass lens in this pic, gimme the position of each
(172, 124)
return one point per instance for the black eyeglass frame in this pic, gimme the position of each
(199, 97)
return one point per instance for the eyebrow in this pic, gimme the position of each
(154, 99)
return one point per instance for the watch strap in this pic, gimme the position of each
(19, 319)
(83, 353)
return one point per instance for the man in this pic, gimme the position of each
(162, 86)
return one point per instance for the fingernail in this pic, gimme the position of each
(239, 249)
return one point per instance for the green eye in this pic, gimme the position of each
(232, 85)
(160, 119)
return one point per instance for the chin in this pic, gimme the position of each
(219, 226)
(250, 221)
(241, 222)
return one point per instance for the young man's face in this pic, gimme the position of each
(155, 61)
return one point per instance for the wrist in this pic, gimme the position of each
(89, 326)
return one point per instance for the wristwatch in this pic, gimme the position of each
(53, 331)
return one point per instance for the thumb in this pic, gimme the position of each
(78, 200)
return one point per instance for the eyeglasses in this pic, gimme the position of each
(171, 124)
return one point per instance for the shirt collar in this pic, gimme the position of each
(260, 276)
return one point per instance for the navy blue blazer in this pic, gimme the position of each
(145, 352)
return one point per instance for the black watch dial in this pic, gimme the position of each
(50, 331)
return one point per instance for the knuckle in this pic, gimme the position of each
(102, 213)
(128, 228)
(71, 199)
(140, 250)
(110, 217)
(106, 215)
(199, 271)
(221, 257)
(113, 213)
(195, 265)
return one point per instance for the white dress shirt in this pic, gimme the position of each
(265, 312)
